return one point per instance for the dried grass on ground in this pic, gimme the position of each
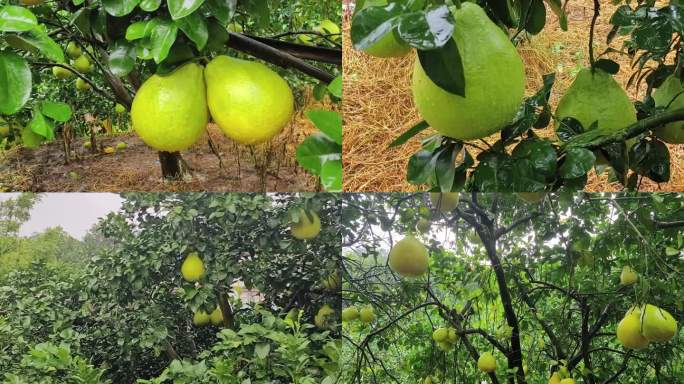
(137, 167)
(378, 106)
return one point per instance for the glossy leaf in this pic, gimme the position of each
(16, 19)
(181, 8)
(56, 111)
(15, 82)
(329, 122)
(195, 27)
(120, 8)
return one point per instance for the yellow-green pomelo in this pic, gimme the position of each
(235, 27)
(88, 144)
(670, 94)
(109, 150)
(567, 381)
(201, 318)
(596, 97)
(321, 318)
(629, 331)
(121, 145)
(331, 282)
(4, 127)
(73, 50)
(444, 346)
(250, 102)
(307, 227)
(388, 45)
(554, 379)
(82, 85)
(82, 64)
(657, 324)
(445, 202)
(192, 268)
(350, 314)
(328, 27)
(61, 73)
(486, 362)
(452, 337)
(628, 276)
(531, 197)
(367, 314)
(169, 113)
(118, 108)
(423, 225)
(440, 334)
(427, 380)
(216, 316)
(409, 257)
(494, 81)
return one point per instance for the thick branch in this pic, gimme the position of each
(265, 52)
(668, 224)
(305, 52)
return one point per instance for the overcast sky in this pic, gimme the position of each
(75, 212)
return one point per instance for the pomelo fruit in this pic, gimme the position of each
(494, 81)
(121, 145)
(201, 318)
(109, 150)
(388, 45)
(118, 108)
(670, 94)
(250, 102)
(331, 282)
(192, 268)
(567, 381)
(4, 127)
(322, 316)
(350, 314)
(367, 314)
(486, 362)
(82, 85)
(554, 379)
(452, 337)
(61, 73)
(73, 50)
(216, 316)
(409, 257)
(328, 27)
(423, 225)
(444, 202)
(169, 113)
(628, 276)
(235, 27)
(629, 331)
(308, 226)
(440, 334)
(82, 64)
(657, 324)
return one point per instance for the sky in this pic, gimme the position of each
(74, 212)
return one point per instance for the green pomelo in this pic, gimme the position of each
(670, 94)
(73, 50)
(409, 257)
(82, 64)
(250, 102)
(82, 85)
(61, 73)
(494, 81)
(4, 127)
(388, 45)
(597, 98)
(169, 113)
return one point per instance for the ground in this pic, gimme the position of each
(137, 168)
(378, 106)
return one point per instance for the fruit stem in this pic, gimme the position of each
(597, 8)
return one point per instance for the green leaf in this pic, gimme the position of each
(218, 35)
(222, 10)
(150, 5)
(120, 8)
(445, 68)
(195, 28)
(578, 161)
(262, 350)
(122, 58)
(404, 137)
(56, 110)
(40, 125)
(15, 82)
(29, 138)
(335, 87)
(315, 150)
(181, 8)
(136, 30)
(16, 19)
(43, 43)
(328, 122)
(669, 251)
(331, 176)
(162, 38)
(420, 167)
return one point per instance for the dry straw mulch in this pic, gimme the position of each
(378, 106)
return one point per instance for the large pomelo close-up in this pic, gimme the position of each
(670, 95)
(250, 102)
(494, 81)
(169, 112)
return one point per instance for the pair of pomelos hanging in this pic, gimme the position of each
(250, 102)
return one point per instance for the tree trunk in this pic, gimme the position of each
(173, 166)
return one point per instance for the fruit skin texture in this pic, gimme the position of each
(109, 150)
(121, 145)
(82, 64)
(554, 379)
(192, 268)
(169, 113)
(82, 85)
(388, 45)
(567, 381)
(367, 314)
(201, 318)
(670, 95)
(628, 276)
(596, 97)
(629, 331)
(118, 108)
(452, 336)
(409, 257)
(486, 362)
(440, 334)
(305, 228)
(494, 81)
(249, 101)
(216, 316)
(350, 314)
(61, 73)
(657, 324)
(446, 201)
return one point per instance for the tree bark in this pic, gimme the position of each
(172, 165)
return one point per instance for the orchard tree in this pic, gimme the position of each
(469, 82)
(113, 48)
(513, 289)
